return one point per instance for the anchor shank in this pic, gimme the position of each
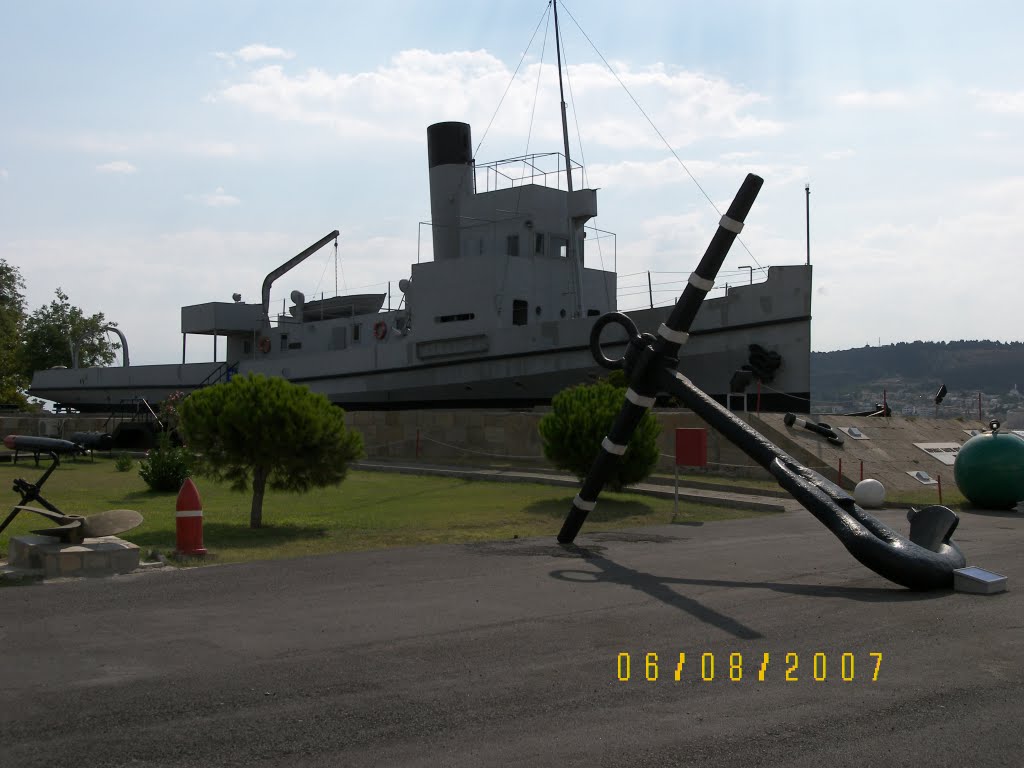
(689, 302)
(647, 355)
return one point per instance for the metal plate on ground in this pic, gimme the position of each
(978, 581)
(944, 452)
(922, 477)
(854, 432)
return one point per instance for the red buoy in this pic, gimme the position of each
(189, 520)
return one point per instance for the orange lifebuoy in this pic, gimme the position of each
(380, 330)
(264, 345)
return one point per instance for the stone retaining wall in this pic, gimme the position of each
(463, 435)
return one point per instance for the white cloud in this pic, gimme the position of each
(1004, 102)
(258, 52)
(216, 199)
(99, 274)
(729, 156)
(253, 52)
(886, 99)
(117, 166)
(839, 154)
(632, 174)
(418, 87)
(3, 173)
(924, 276)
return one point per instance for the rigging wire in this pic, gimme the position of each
(583, 159)
(536, 89)
(575, 115)
(337, 264)
(651, 123)
(320, 282)
(546, 18)
(324, 272)
(529, 45)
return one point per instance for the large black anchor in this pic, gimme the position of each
(924, 561)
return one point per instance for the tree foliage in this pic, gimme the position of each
(50, 331)
(267, 431)
(12, 319)
(968, 366)
(581, 418)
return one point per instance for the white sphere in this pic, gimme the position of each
(869, 494)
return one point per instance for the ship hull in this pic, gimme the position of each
(511, 367)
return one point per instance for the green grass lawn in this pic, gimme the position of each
(370, 510)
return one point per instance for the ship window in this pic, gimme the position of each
(538, 246)
(246, 347)
(560, 244)
(593, 312)
(454, 318)
(481, 246)
(355, 332)
(519, 308)
(512, 245)
(561, 313)
(284, 342)
(536, 310)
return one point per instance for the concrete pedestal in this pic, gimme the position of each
(103, 556)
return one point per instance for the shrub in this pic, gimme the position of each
(123, 462)
(166, 466)
(581, 418)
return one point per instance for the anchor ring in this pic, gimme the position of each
(595, 338)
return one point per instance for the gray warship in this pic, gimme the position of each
(500, 317)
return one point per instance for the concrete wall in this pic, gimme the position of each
(509, 436)
(462, 435)
(51, 425)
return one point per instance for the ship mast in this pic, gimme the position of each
(570, 252)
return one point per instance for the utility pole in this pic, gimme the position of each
(807, 189)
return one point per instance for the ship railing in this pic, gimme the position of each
(136, 408)
(222, 372)
(547, 169)
(649, 289)
(595, 238)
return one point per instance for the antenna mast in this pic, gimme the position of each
(577, 271)
(561, 94)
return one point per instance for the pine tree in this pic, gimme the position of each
(268, 432)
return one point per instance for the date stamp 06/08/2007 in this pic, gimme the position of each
(733, 667)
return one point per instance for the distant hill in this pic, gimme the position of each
(991, 367)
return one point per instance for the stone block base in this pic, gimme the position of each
(102, 556)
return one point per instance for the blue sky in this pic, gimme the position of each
(155, 154)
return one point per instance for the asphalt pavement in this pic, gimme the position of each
(511, 653)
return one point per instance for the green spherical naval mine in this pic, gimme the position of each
(989, 470)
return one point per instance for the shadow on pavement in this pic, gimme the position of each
(659, 588)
